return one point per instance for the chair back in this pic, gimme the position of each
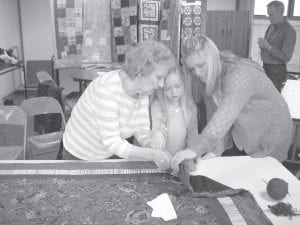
(13, 115)
(42, 105)
(44, 77)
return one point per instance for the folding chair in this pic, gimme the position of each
(13, 129)
(45, 78)
(45, 145)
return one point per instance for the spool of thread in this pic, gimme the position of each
(277, 188)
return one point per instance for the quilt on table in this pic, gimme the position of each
(121, 199)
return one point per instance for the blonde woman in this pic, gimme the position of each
(244, 108)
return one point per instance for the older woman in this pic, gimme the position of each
(114, 108)
(243, 105)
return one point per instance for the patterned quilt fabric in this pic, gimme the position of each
(68, 23)
(149, 20)
(170, 25)
(122, 199)
(96, 47)
(124, 22)
(191, 18)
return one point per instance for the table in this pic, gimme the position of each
(29, 187)
(84, 77)
(249, 173)
(291, 94)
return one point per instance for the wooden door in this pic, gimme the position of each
(230, 30)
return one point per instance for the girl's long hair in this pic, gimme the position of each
(187, 104)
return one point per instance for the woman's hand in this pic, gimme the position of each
(180, 156)
(158, 140)
(162, 158)
(189, 164)
(261, 154)
(209, 155)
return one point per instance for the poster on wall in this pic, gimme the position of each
(68, 25)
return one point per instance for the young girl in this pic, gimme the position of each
(173, 114)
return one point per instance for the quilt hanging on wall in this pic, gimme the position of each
(124, 22)
(149, 20)
(68, 26)
(192, 18)
(96, 48)
(170, 25)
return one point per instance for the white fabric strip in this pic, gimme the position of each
(232, 211)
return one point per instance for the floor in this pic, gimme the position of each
(17, 98)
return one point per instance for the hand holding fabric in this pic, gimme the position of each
(161, 158)
(180, 156)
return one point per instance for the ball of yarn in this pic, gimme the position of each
(277, 188)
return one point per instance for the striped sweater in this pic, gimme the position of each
(103, 118)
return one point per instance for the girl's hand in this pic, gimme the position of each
(162, 158)
(158, 140)
(180, 156)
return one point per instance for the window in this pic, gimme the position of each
(297, 8)
(260, 7)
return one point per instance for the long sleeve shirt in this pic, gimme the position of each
(282, 38)
(251, 111)
(103, 118)
(176, 140)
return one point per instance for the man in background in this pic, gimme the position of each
(278, 45)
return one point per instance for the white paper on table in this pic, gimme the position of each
(163, 207)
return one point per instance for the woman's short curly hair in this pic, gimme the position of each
(141, 58)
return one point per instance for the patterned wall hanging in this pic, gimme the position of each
(96, 47)
(68, 26)
(124, 22)
(149, 20)
(192, 18)
(170, 25)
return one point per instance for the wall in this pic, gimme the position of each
(221, 4)
(10, 36)
(37, 33)
(259, 29)
(36, 26)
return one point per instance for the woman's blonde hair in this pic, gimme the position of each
(205, 48)
(186, 101)
(141, 58)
